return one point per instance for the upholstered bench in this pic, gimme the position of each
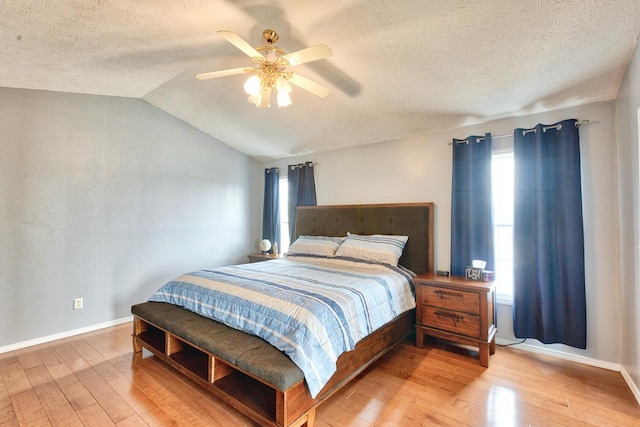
(247, 352)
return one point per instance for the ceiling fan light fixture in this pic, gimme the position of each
(271, 65)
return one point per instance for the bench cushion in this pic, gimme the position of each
(247, 352)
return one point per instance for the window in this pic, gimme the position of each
(502, 183)
(284, 215)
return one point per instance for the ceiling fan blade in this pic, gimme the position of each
(309, 85)
(313, 53)
(224, 73)
(238, 42)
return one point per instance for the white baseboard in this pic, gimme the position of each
(632, 386)
(563, 355)
(67, 334)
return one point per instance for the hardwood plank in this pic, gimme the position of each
(83, 348)
(7, 414)
(116, 407)
(93, 415)
(8, 358)
(26, 405)
(146, 409)
(53, 400)
(28, 409)
(28, 358)
(57, 368)
(15, 379)
(134, 421)
(78, 396)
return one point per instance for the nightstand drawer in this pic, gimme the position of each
(453, 299)
(452, 321)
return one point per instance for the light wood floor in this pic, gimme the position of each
(91, 380)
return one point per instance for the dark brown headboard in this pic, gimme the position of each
(407, 219)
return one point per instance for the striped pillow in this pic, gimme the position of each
(377, 248)
(315, 245)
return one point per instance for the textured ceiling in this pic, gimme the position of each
(399, 69)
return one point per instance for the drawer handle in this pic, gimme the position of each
(455, 317)
(442, 294)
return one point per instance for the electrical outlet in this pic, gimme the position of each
(77, 303)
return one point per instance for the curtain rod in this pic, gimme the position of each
(299, 165)
(277, 169)
(526, 131)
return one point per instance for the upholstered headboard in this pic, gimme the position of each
(408, 219)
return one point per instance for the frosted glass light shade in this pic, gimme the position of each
(283, 88)
(282, 85)
(252, 85)
(283, 99)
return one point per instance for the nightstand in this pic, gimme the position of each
(263, 257)
(457, 310)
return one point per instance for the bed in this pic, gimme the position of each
(252, 375)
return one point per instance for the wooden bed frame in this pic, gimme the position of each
(293, 407)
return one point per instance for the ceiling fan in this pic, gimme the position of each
(271, 69)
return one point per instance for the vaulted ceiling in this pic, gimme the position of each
(399, 68)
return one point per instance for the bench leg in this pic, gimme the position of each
(137, 348)
(311, 417)
(306, 420)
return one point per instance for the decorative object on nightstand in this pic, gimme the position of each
(477, 272)
(456, 310)
(264, 245)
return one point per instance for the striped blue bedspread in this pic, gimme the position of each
(312, 309)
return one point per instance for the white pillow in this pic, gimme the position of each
(377, 248)
(315, 245)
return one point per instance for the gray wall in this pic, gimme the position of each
(107, 198)
(419, 169)
(628, 103)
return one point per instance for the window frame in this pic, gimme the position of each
(283, 203)
(502, 297)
